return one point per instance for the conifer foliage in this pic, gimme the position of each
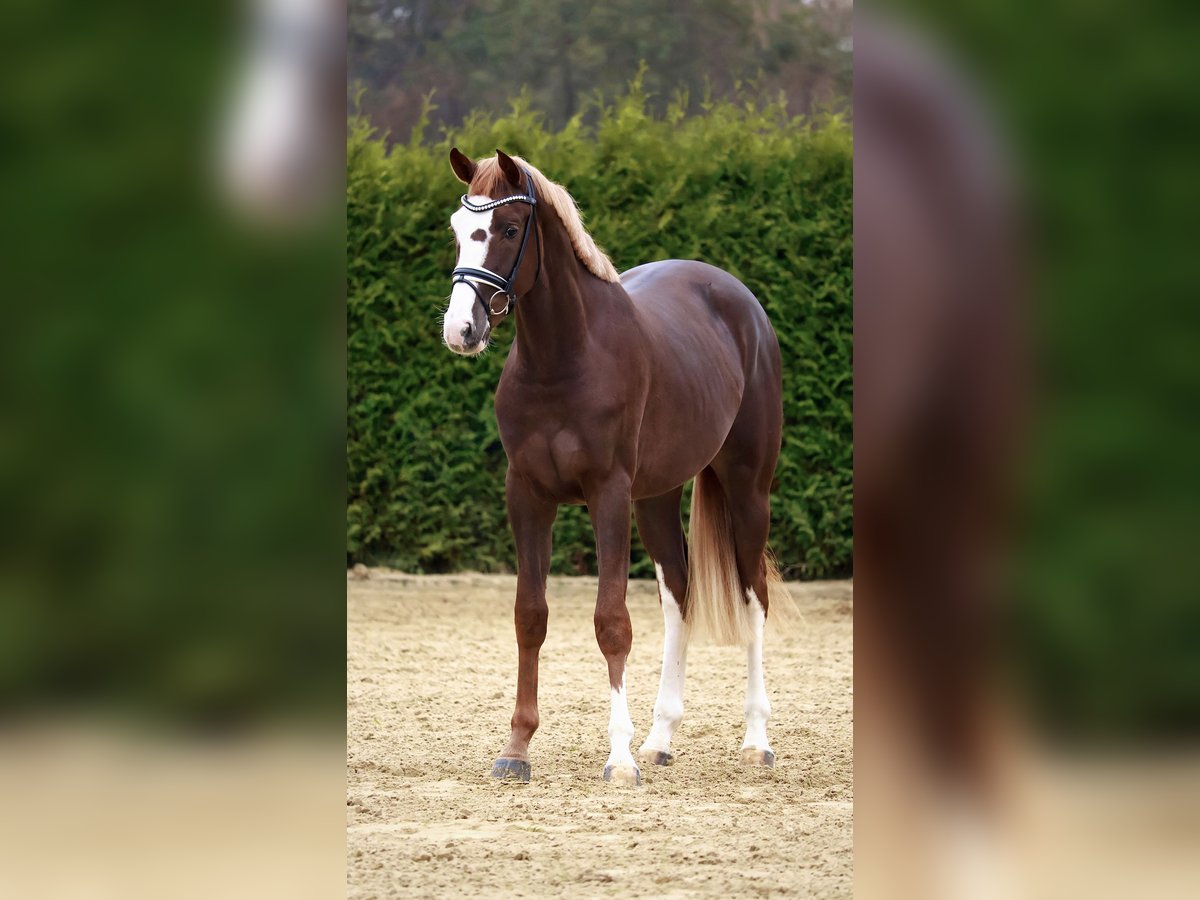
(742, 185)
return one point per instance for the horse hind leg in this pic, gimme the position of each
(661, 531)
(756, 750)
(750, 513)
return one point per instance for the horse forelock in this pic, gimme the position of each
(489, 180)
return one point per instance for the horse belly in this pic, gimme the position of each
(682, 431)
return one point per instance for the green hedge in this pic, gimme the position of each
(742, 186)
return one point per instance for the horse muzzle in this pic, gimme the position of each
(467, 338)
(466, 329)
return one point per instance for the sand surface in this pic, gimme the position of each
(431, 678)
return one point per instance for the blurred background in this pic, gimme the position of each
(172, 361)
(1027, 634)
(171, 577)
(479, 54)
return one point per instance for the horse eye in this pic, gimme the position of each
(510, 231)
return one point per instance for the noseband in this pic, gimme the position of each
(506, 286)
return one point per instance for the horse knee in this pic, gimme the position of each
(614, 632)
(531, 616)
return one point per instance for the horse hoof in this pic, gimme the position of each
(752, 756)
(623, 776)
(510, 769)
(656, 757)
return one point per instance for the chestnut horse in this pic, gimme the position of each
(618, 389)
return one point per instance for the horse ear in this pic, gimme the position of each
(463, 168)
(510, 169)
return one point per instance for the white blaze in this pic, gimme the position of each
(472, 253)
(668, 708)
(758, 707)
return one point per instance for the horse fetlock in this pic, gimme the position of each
(756, 733)
(758, 710)
(525, 723)
(668, 714)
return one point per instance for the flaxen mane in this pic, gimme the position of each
(488, 177)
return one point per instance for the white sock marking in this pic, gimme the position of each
(758, 707)
(620, 729)
(668, 708)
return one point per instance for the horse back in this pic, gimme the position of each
(697, 314)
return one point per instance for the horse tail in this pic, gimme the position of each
(783, 613)
(716, 607)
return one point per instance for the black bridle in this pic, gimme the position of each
(506, 286)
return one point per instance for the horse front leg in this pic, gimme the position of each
(532, 520)
(608, 507)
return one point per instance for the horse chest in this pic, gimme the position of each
(557, 437)
(555, 458)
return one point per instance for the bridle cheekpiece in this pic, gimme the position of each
(506, 286)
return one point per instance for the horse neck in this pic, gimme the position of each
(555, 318)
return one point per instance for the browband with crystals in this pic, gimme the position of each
(492, 204)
